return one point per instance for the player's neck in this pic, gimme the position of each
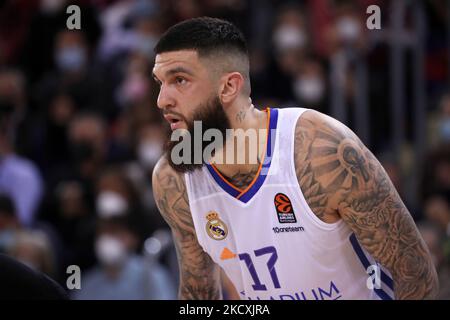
(246, 118)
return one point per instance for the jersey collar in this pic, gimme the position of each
(244, 195)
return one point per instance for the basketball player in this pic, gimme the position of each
(316, 217)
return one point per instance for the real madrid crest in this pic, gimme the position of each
(216, 228)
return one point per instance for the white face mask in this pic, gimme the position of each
(149, 153)
(348, 29)
(289, 37)
(309, 89)
(110, 251)
(111, 204)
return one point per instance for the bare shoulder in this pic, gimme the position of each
(163, 171)
(342, 179)
(171, 197)
(323, 150)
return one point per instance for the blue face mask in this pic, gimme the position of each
(71, 58)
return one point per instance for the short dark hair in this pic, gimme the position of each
(210, 37)
(203, 34)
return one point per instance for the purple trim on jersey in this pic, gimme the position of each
(221, 183)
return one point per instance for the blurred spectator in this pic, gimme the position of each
(290, 31)
(310, 84)
(61, 110)
(393, 166)
(121, 273)
(135, 86)
(436, 177)
(50, 17)
(70, 205)
(435, 188)
(160, 248)
(70, 212)
(74, 72)
(34, 249)
(115, 38)
(147, 27)
(88, 148)
(19, 177)
(437, 210)
(38, 247)
(136, 95)
(148, 148)
(290, 43)
(71, 53)
(436, 242)
(116, 196)
(347, 31)
(129, 26)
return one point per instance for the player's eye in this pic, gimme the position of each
(180, 80)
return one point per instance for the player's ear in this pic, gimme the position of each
(231, 86)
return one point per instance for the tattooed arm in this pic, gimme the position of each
(341, 179)
(199, 275)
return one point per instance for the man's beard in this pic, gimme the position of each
(212, 116)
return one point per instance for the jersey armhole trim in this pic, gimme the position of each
(312, 216)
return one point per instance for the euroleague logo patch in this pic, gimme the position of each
(284, 209)
(216, 228)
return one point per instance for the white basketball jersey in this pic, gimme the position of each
(267, 239)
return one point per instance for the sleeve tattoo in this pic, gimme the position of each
(199, 275)
(339, 175)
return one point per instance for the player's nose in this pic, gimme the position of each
(165, 100)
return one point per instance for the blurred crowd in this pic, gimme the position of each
(80, 132)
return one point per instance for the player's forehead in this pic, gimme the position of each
(182, 60)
